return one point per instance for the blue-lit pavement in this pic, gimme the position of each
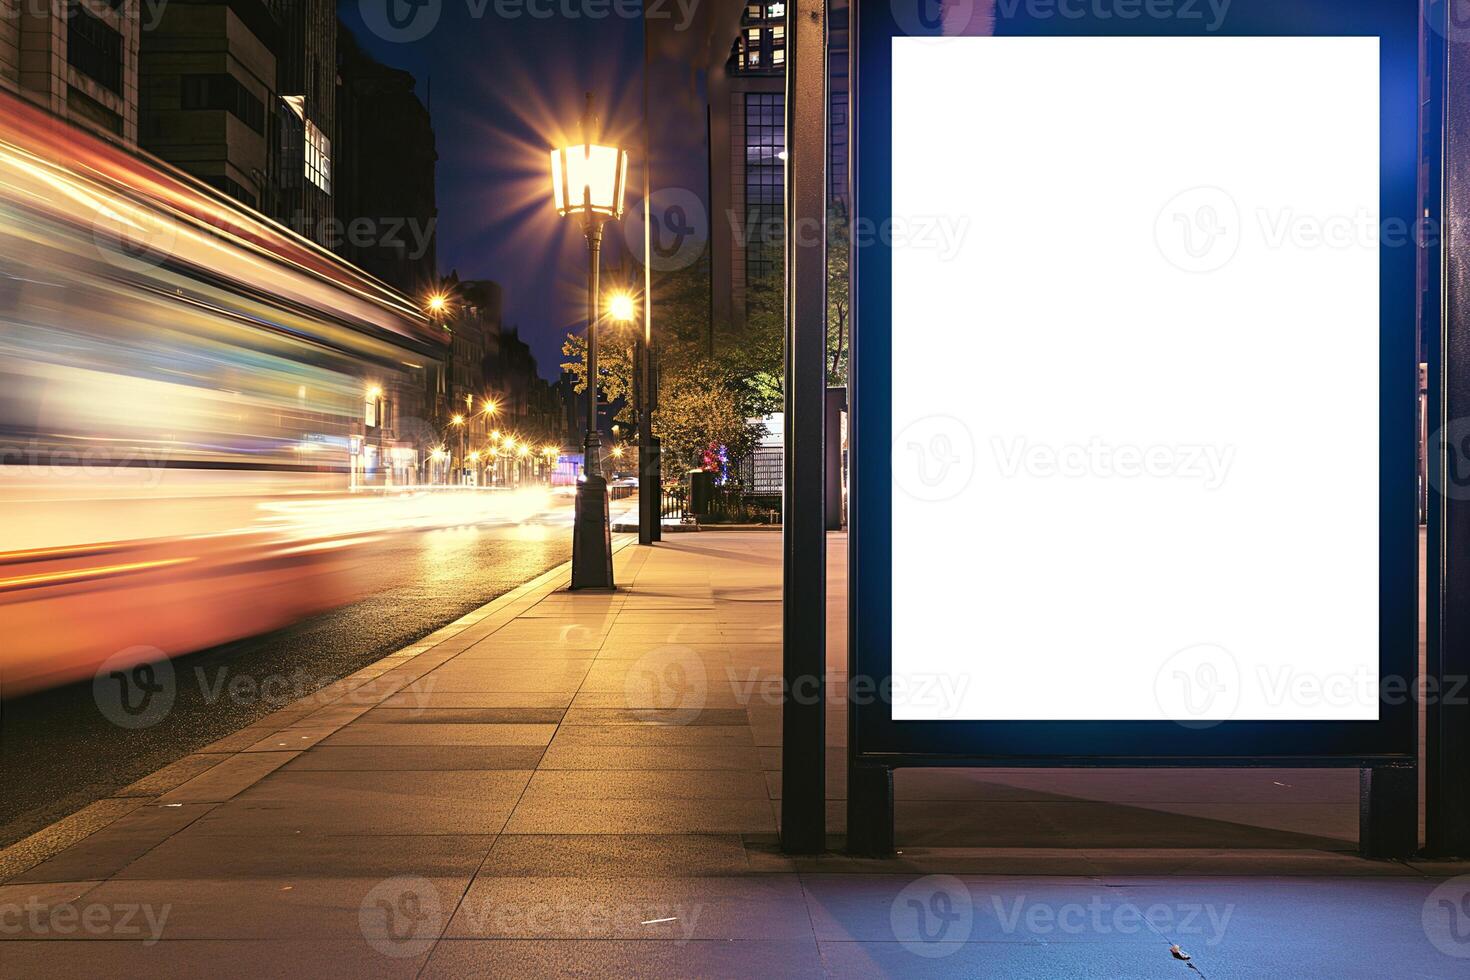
(584, 785)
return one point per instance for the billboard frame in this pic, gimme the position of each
(1384, 749)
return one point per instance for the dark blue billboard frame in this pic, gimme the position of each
(876, 743)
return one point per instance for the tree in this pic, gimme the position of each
(839, 249)
(705, 398)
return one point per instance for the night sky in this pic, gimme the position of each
(503, 88)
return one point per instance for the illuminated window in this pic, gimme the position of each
(765, 172)
(318, 157)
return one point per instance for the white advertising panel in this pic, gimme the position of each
(1135, 378)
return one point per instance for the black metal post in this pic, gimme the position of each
(1447, 541)
(591, 528)
(648, 489)
(836, 405)
(1388, 819)
(803, 740)
(869, 811)
(647, 482)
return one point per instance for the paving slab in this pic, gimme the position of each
(597, 959)
(683, 908)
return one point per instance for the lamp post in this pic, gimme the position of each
(621, 307)
(587, 181)
(458, 423)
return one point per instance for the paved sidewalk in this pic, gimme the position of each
(586, 785)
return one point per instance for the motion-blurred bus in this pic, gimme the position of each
(168, 361)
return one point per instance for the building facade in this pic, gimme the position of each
(384, 181)
(207, 82)
(306, 111)
(75, 58)
(747, 155)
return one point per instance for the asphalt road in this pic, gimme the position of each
(58, 752)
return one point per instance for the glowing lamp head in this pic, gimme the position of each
(458, 420)
(490, 407)
(587, 180)
(438, 303)
(587, 177)
(620, 307)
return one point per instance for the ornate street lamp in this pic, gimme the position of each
(587, 181)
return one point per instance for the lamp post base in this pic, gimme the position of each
(592, 537)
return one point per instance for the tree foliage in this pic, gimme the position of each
(839, 321)
(709, 387)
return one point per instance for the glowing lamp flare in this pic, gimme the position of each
(588, 180)
(620, 307)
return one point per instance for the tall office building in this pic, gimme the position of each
(306, 107)
(207, 81)
(77, 58)
(747, 154)
(384, 181)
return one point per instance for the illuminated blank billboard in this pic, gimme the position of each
(1135, 368)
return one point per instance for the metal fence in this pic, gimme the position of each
(763, 472)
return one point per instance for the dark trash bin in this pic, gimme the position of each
(701, 492)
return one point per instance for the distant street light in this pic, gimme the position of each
(620, 307)
(458, 422)
(587, 181)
